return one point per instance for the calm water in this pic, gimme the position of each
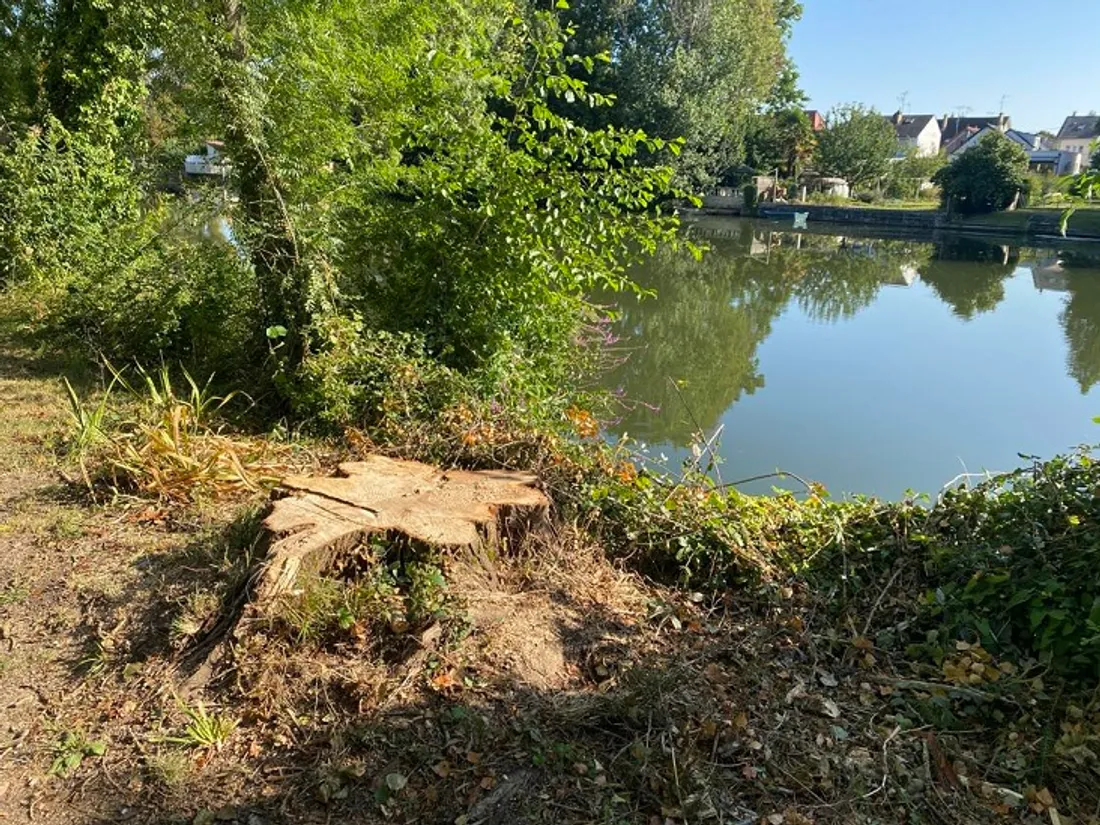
(872, 366)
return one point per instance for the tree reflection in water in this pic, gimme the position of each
(690, 353)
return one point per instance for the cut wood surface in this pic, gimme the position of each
(322, 517)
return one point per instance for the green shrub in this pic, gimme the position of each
(1017, 563)
(92, 262)
(986, 178)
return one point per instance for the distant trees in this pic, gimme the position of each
(692, 69)
(907, 175)
(857, 145)
(781, 140)
(987, 178)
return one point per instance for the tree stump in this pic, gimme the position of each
(319, 519)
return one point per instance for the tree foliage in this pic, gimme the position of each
(987, 178)
(692, 69)
(857, 145)
(402, 182)
(781, 140)
(907, 174)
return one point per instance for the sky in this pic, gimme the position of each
(948, 56)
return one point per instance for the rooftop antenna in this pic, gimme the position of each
(963, 111)
(1004, 98)
(903, 101)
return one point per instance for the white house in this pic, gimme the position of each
(1077, 135)
(920, 132)
(212, 161)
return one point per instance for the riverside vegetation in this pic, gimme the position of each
(417, 221)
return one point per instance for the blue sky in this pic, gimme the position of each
(949, 54)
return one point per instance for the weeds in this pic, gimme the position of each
(170, 768)
(198, 608)
(387, 588)
(168, 444)
(15, 592)
(89, 425)
(204, 729)
(70, 752)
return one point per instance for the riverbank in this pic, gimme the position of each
(1024, 225)
(560, 681)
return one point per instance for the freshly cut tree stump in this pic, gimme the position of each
(322, 518)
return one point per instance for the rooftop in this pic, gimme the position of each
(910, 126)
(1080, 126)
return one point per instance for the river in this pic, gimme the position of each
(870, 366)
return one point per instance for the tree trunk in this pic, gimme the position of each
(271, 239)
(322, 519)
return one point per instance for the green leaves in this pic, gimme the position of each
(987, 178)
(857, 145)
(72, 749)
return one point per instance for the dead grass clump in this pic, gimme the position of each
(159, 442)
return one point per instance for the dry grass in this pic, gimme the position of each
(157, 442)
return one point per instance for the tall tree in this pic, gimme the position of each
(857, 145)
(694, 69)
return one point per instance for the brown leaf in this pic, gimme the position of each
(445, 680)
(1044, 798)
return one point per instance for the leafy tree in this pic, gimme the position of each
(781, 140)
(694, 69)
(905, 176)
(987, 178)
(400, 184)
(22, 31)
(857, 145)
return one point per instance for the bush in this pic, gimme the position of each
(94, 263)
(987, 178)
(1018, 564)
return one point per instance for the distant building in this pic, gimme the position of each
(817, 120)
(211, 162)
(955, 131)
(1077, 135)
(920, 132)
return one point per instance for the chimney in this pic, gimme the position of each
(898, 117)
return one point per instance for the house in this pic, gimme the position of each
(1077, 135)
(920, 132)
(1041, 158)
(817, 120)
(210, 162)
(955, 131)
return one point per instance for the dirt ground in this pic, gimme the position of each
(566, 689)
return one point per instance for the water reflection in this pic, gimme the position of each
(691, 354)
